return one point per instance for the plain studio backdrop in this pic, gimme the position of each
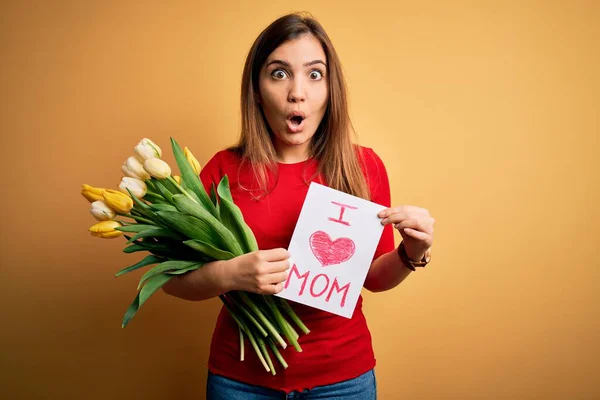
(485, 113)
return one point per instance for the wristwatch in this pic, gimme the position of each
(410, 263)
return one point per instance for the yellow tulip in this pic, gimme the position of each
(177, 179)
(157, 168)
(91, 193)
(192, 160)
(106, 229)
(118, 201)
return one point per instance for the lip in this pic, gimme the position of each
(296, 113)
(295, 128)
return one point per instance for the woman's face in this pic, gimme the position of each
(294, 92)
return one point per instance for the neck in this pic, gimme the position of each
(292, 154)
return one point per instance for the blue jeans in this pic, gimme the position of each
(363, 387)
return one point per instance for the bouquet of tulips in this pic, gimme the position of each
(182, 227)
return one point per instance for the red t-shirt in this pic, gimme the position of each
(337, 348)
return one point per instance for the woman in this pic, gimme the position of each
(296, 129)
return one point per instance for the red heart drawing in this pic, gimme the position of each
(330, 252)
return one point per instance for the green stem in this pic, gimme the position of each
(153, 195)
(151, 184)
(288, 309)
(282, 323)
(256, 349)
(291, 328)
(174, 182)
(139, 219)
(250, 317)
(277, 353)
(263, 319)
(263, 348)
(241, 344)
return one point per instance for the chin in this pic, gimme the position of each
(295, 139)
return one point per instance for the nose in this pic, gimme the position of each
(297, 93)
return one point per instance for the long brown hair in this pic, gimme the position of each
(332, 143)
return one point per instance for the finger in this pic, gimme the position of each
(421, 224)
(422, 236)
(416, 224)
(278, 277)
(272, 289)
(275, 254)
(400, 209)
(404, 216)
(277, 266)
(389, 211)
(399, 217)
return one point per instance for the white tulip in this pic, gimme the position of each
(134, 169)
(136, 186)
(157, 168)
(147, 149)
(101, 211)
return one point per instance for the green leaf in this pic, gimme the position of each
(135, 228)
(163, 190)
(155, 198)
(184, 270)
(146, 261)
(232, 217)
(140, 206)
(164, 267)
(209, 250)
(156, 232)
(213, 197)
(163, 207)
(191, 192)
(145, 247)
(196, 228)
(138, 201)
(170, 186)
(191, 180)
(223, 238)
(133, 248)
(151, 286)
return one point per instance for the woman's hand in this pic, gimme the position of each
(262, 271)
(414, 224)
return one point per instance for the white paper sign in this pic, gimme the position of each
(331, 250)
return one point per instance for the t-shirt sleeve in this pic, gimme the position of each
(379, 185)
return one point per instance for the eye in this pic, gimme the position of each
(279, 74)
(316, 75)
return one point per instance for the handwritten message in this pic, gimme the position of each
(331, 250)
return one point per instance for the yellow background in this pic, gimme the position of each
(486, 113)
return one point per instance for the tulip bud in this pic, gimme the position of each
(157, 168)
(101, 211)
(147, 149)
(134, 169)
(118, 201)
(136, 186)
(192, 160)
(177, 179)
(106, 229)
(91, 193)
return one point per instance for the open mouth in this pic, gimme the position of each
(296, 120)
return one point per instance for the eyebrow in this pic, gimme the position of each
(287, 64)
